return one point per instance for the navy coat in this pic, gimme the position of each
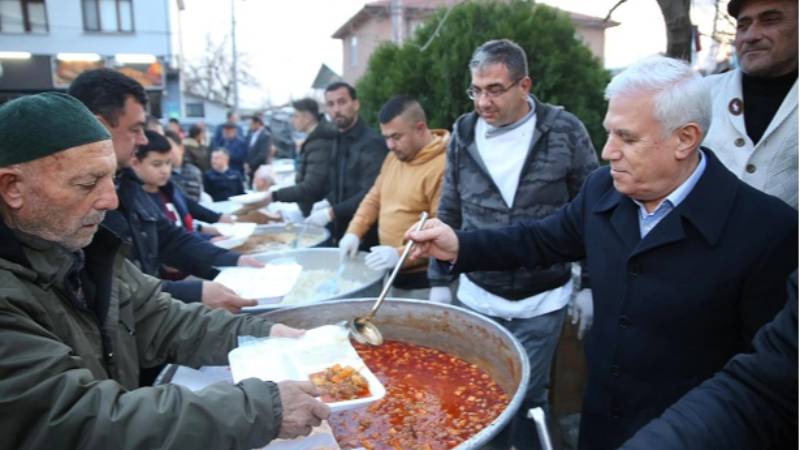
(155, 240)
(751, 404)
(222, 185)
(670, 309)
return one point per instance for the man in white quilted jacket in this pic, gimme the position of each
(754, 126)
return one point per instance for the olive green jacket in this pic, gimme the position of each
(69, 370)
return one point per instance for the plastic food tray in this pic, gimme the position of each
(280, 359)
(376, 389)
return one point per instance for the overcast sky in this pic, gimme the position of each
(286, 41)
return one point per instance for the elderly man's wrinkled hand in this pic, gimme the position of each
(281, 330)
(301, 411)
(436, 239)
(217, 296)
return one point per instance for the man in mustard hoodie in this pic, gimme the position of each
(410, 182)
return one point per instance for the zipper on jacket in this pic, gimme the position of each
(130, 331)
(108, 347)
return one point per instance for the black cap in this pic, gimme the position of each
(734, 6)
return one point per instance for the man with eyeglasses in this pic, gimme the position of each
(514, 158)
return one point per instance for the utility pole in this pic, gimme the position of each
(235, 69)
(396, 12)
(181, 66)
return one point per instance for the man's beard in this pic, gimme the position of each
(49, 227)
(346, 122)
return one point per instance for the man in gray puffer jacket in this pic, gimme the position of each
(514, 158)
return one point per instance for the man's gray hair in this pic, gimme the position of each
(681, 96)
(501, 51)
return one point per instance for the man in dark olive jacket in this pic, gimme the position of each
(750, 404)
(687, 262)
(358, 155)
(77, 319)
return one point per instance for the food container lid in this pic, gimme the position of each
(268, 284)
(236, 234)
(252, 197)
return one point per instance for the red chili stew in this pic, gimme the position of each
(434, 401)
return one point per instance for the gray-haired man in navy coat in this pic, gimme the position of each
(687, 262)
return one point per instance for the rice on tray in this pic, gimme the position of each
(305, 289)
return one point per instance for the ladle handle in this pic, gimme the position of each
(422, 218)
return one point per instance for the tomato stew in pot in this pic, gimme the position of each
(434, 401)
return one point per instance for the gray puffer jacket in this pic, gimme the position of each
(560, 158)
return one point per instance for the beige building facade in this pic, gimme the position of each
(372, 25)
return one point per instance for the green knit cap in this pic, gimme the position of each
(40, 125)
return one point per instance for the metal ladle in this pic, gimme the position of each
(361, 328)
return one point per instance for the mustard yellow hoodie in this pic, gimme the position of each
(400, 193)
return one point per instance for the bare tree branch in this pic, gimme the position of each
(210, 75)
(440, 25)
(611, 11)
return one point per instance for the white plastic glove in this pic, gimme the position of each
(319, 218)
(582, 312)
(322, 204)
(441, 294)
(382, 257)
(348, 246)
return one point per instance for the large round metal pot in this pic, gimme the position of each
(368, 281)
(447, 328)
(285, 235)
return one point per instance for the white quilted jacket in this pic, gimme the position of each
(771, 164)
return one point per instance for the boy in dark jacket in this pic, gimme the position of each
(153, 164)
(220, 181)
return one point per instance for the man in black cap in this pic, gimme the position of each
(77, 319)
(755, 124)
(118, 102)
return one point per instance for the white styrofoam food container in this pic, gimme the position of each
(376, 389)
(268, 284)
(252, 197)
(236, 233)
(279, 359)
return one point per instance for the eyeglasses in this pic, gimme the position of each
(494, 92)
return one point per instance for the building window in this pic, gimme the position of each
(353, 51)
(23, 16)
(195, 110)
(108, 16)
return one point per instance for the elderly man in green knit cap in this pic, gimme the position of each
(77, 319)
